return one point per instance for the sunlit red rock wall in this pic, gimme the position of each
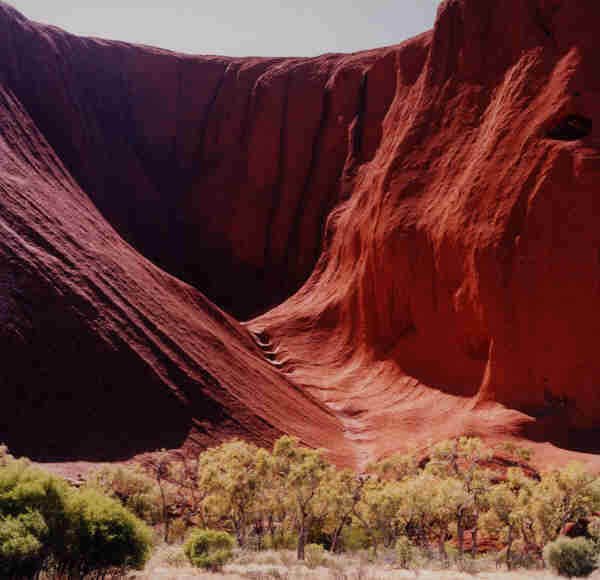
(464, 269)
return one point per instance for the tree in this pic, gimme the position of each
(397, 467)
(564, 495)
(301, 471)
(340, 492)
(133, 487)
(378, 510)
(159, 464)
(504, 518)
(465, 459)
(415, 510)
(236, 472)
(450, 504)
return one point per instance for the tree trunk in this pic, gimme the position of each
(239, 524)
(336, 535)
(442, 550)
(369, 531)
(474, 540)
(271, 528)
(425, 540)
(302, 539)
(508, 545)
(461, 538)
(259, 531)
(238, 533)
(537, 551)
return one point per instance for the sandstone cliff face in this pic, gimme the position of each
(103, 354)
(464, 270)
(445, 188)
(191, 157)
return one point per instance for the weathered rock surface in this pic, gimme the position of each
(446, 189)
(104, 355)
(458, 291)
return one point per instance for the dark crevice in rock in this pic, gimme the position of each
(277, 194)
(357, 141)
(570, 128)
(210, 107)
(295, 234)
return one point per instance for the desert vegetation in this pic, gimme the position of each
(458, 505)
(51, 530)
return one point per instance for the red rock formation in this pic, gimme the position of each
(455, 289)
(458, 289)
(178, 152)
(104, 355)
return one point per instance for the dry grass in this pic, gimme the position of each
(166, 564)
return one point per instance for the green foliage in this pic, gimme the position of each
(338, 494)
(571, 556)
(103, 535)
(521, 454)
(287, 498)
(314, 555)
(133, 487)
(21, 549)
(236, 473)
(405, 552)
(208, 549)
(46, 525)
(396, 467)
(565, 495)
(300, 471)
(380, 510)
(594, 530)
(354, 538)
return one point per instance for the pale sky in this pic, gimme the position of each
(241, 28)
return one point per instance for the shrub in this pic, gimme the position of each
(314, 555)
(102, 535)
(47, 526)
(354, 538)
(32, 517)
(208, 549)
(405, 552)
(136, 490)
(21, 551)
(571, 556)
(594, 530)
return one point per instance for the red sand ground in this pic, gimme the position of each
(415, 227)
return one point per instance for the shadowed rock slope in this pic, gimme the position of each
(423, 218)
(104, 355)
